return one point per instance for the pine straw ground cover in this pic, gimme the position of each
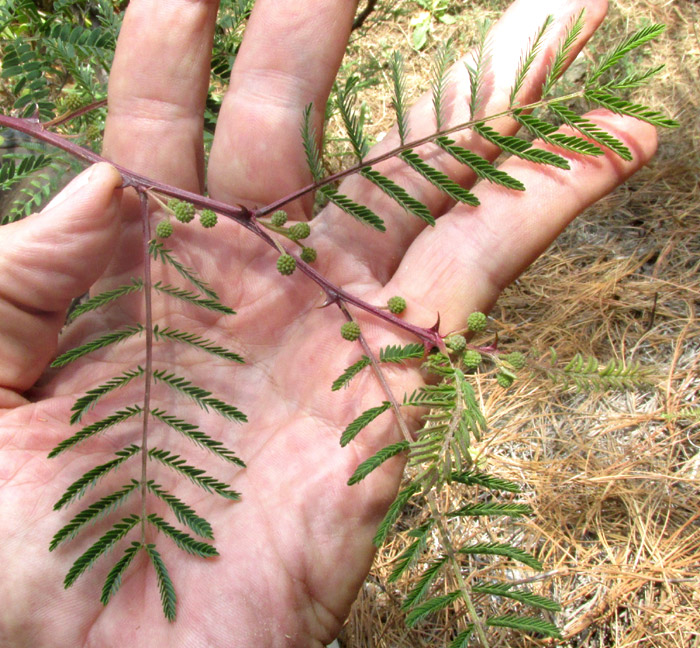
(613, 479)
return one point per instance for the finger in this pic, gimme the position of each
(47, 260)
(157, 90)
(465, 262)
(289, 58)
(508, 40)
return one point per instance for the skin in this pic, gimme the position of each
(296, 549)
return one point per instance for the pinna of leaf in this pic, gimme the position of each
(441, 451)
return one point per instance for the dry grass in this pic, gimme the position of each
(614, 480)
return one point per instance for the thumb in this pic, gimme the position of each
(46, 260)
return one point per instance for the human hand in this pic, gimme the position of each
(297, 547)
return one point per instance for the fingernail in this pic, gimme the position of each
(72, 188)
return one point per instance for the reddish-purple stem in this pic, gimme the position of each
(240, 214)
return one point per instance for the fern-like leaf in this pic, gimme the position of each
(308, 136)
(399, 194)
(398, 100)
(344, 379)
(439, 179)
(520, 147)
(195, 475)
(624, 107)
(159, 252)
(439, 78)
(84, 403)
(474, 477)
(393, 513)
(502, 549)
(96, 428)
(12, 173)
(201, 396)
(183, 540)
(362, 421)
(420, 590)
(360, 212)
(100, 343)
(376, 460)
(590, 129)
(480, 166)
(184, 513)
(397, 353)
(346, 96)
(202, 439)
(547, 133)
(525, 624)
(93, 513)
(192, 298)
(527, 60)
(410, 554)
(476, 72)
(114, 578)
(105, 543)
(462, 639)
(105, 298)
(431, 606)
(563, 52)
(505, 590)
(78, 488)
(196, 341)
(165, 584)
(640, 37)
(492, 508)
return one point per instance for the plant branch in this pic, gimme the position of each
(148, 373)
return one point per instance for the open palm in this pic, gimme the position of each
(296, 548)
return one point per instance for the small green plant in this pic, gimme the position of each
(439, 453)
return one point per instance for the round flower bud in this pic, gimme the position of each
(516, 360)
(286, 264)
(455, 342)
(164, 229)
(476, 322)
(504, 380)
(74, 101)
(278, 218)
(299, 231)
(208, 218)
(471, 359)
(396, 305)
(184, 211)
(308, 254)
(350, 331)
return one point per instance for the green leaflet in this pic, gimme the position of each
(480, 166)
(360, 212)
(344, 379)
(520, 147)
(105, 543)
(410, 554)
(422, 587)
(393, 513)
(184, 513)
(93, 513)
(523, 596)
(502, 549)
(362, 421)
(436, 604)
(183, 540)
(399, 194)
(78, 488)
(195, 475)
(525, 624)
(99, 343)
(165, 584)
(439, 179)
(376, 460)
(84, 403)
(197, 341)
(114, 578)
(97, 428)
(105, 298)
